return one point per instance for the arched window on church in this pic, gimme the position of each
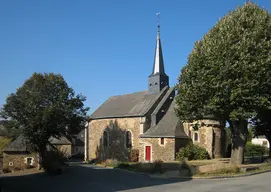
(196, 137)
(128, 139)
(105, 139)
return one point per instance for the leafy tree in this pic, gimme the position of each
(45, 106)
(227, 71)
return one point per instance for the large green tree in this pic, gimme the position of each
(45, 106)
(227, 72)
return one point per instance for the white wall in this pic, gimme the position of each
(259, 141)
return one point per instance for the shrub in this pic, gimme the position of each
(6, 170)
(53, 161)
(124, 166)
(157, 166)
(192, 152)
(254, 150)
(134, 155)
(111, 163)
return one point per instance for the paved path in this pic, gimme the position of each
(86, 178)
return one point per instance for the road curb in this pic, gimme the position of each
(194, 178)
(227, 177)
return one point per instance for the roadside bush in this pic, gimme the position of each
(111, 163)
(157, 166)
(6, 170)
(53, 161)
(124, 166)
(255, 150)
(192, 152)
(134, 155)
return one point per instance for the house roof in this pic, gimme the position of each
(59, 141)
(129, 105)
(18, 145)
(168, 126)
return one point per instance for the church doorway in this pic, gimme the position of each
(147, 153)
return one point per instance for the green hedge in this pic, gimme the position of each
(255, 150)
(192, 152)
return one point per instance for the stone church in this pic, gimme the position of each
(146, 121)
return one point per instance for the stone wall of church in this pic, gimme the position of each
(164, 152)
(116, 129)
(210, 136)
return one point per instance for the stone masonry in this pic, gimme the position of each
(18, 160)
(210, 136)
(164, 152)
(116, 127)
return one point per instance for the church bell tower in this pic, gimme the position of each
(158, 79)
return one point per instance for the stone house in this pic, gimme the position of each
(62, 144)
(78, 143)
(146, 121)
(18, 156)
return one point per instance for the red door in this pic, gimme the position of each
(148, 153)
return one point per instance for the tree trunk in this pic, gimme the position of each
(41, 155)
(239, 138)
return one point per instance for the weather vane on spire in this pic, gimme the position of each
(158, 20)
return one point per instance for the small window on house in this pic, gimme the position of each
(105, 139)
(29, 161)
(10, 164)
(264, 143)
(128, 139)
(162, 141)
(196, 137)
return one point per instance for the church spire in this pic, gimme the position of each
(158, 79)
(158, 65)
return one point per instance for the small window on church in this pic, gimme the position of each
(150, 84)
(105, 139)
(196, 137)
(162, 141)
(155, 83)
(128, 139)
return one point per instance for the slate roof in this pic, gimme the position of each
(18, 145)
(129, 105)
(59, 141)
(168, 126)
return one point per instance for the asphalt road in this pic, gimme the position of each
(86, 178)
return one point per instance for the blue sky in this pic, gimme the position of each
(102, 48)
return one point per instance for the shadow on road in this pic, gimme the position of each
(83, 178)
